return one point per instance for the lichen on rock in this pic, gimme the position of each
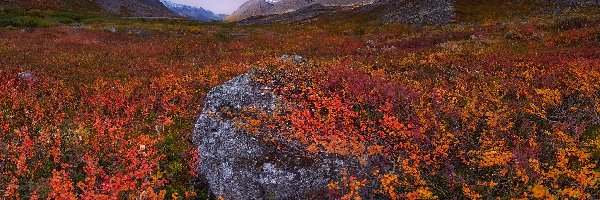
(236, 164)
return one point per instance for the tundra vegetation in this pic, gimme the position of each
(504, 102)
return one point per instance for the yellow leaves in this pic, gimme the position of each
(334, 186)
(520, 173)
(532, 142)
(549, 97)
(535, 165)
(500, 119)
(495, 157)
(432, 58)
(389, 182)
(353, 185)
(470, 193)
(374, 150)
(421, 193)
(492, 184)
(541, 192)
(313, 148)
(190, 194)
(151, 194)
(571, 192)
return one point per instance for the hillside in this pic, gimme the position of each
(139, 8)
(73, 5)
(408, 12)
(386, 11)
(257, 8)
(249, 9)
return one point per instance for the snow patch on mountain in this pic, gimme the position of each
(193, 13)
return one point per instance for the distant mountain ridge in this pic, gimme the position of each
(136, 8)
(88, 5)
(415, 12)
(193, 13)
(255, 8)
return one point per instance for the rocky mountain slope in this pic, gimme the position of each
(285, 6)
(194, 13)
(255, 8)
(304, 14)
(138, 8)
(404, 11)
(578, 2)
(249, 9)
(49, 4)
(411, 12)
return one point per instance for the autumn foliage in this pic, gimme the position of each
(460, 111)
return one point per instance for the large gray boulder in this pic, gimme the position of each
(237, 164)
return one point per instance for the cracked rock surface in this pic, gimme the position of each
(237, 165)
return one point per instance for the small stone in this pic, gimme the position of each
(112, 29)
(26, 76)
(139, 33)
(293, 58)
(78, 25)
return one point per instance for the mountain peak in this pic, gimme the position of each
(192, 12)
(251, 8)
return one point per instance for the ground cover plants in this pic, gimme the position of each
(498, 107)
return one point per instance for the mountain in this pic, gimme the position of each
(250, 9)
(410, 11)
(255, 8)
(194, 13)
(137, 8)
(303, 14)
(415, 12)
(79, 5)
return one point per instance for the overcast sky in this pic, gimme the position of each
(217, 6)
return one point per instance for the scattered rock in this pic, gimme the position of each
(139, 33)
(26, 30)
(26, 76)
(293, 58)
(371, 43)
(78, 25)
(112, 29)
(236, 164)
